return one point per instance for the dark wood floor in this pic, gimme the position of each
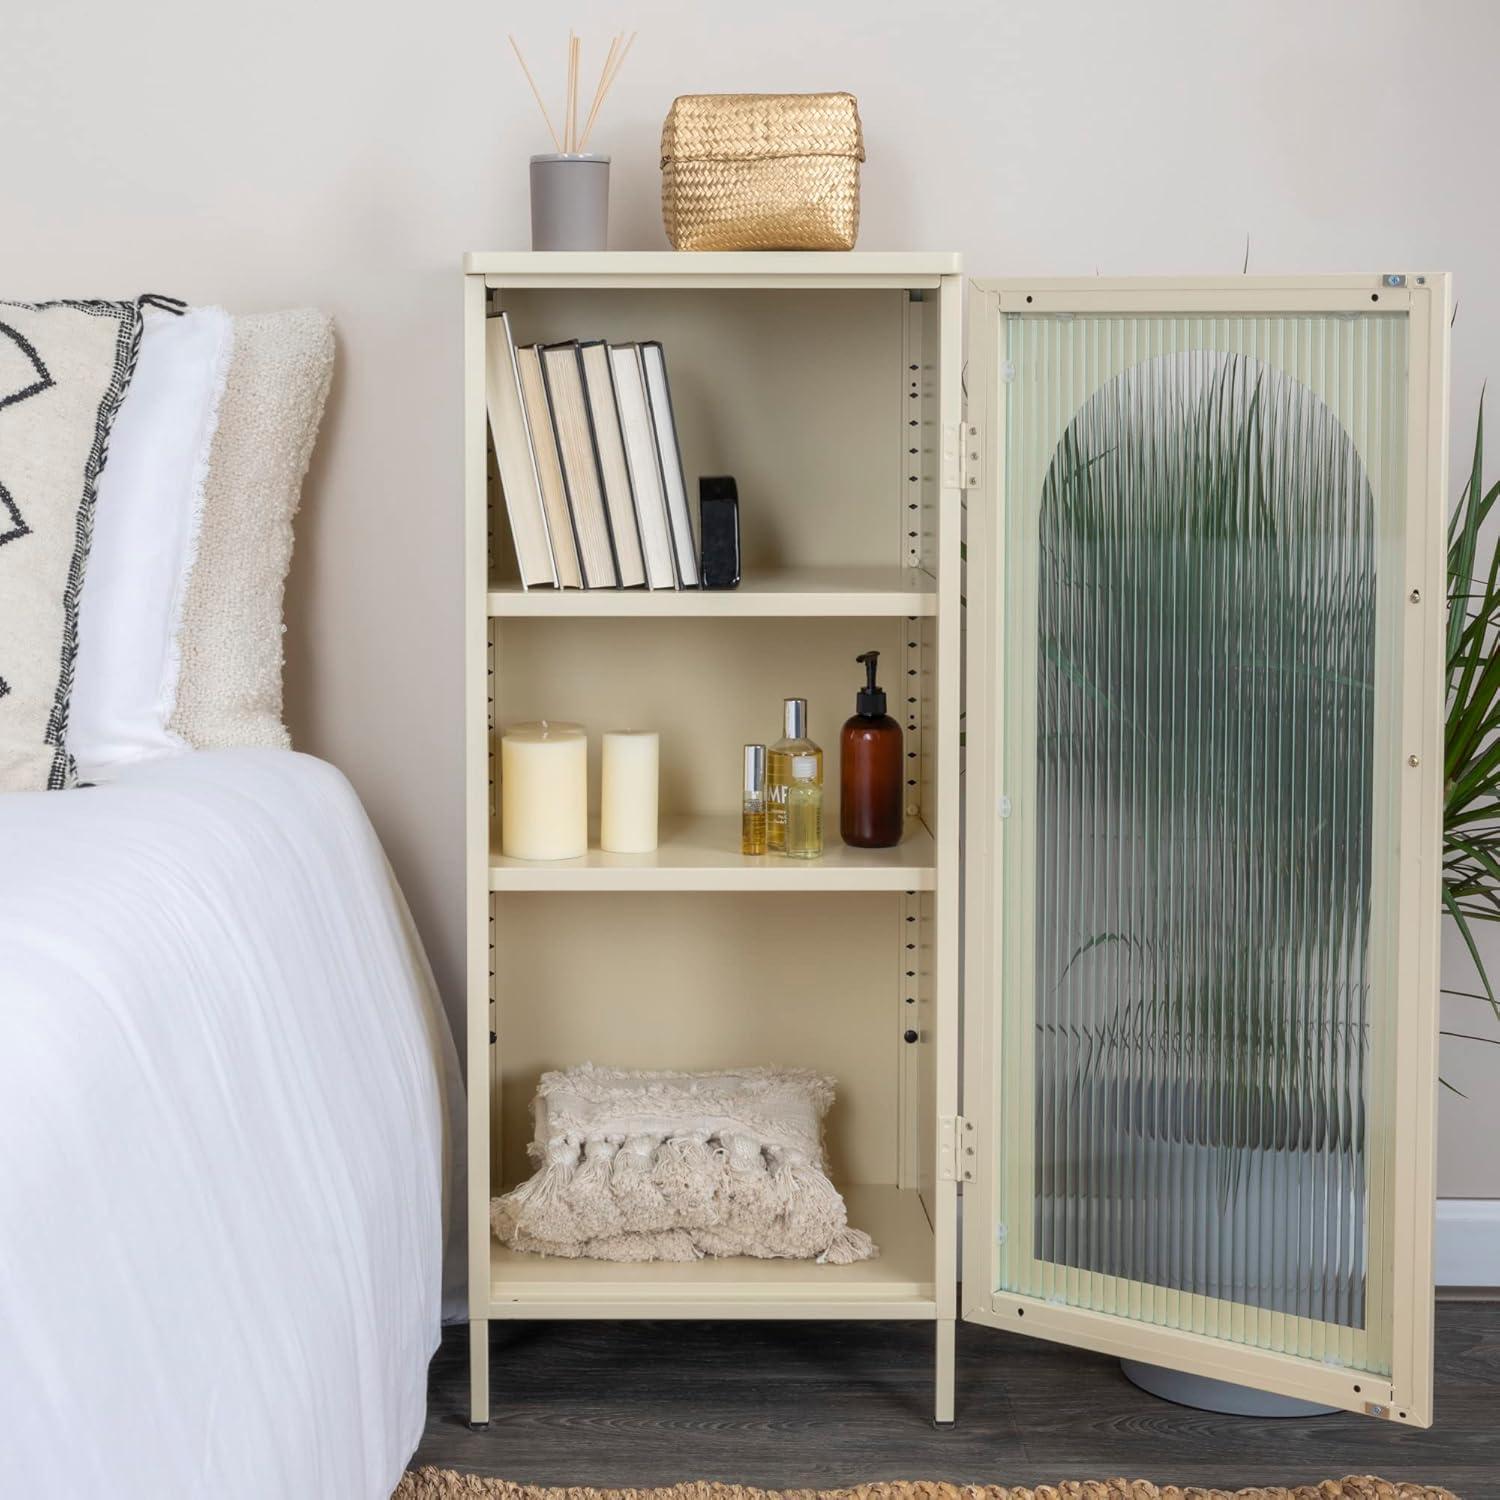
(824, 1404)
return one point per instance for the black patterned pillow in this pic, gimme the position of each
(64, 369)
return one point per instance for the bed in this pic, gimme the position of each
(224, 1078)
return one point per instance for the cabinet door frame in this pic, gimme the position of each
(1418, 740)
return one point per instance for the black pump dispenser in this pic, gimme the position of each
(869, 703)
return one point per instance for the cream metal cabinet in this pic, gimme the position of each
(1203, 685)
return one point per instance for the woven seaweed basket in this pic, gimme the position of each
(761, 171)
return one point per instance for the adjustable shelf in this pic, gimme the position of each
(702, 854)
(856, 592)
(899, 1284)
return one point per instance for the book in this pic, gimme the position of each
(562, 374)
(514, 456)
(609, 441)
(670, 455)
(548, 468)
(645, 467)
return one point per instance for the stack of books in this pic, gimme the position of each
(586, 446)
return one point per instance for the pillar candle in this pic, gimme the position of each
(544, 791)
(627, 795)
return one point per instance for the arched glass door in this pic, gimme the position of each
(1203, 644)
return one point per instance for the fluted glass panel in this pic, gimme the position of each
(1201, 517)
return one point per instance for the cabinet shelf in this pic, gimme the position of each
(859, 592)
(897, 1284)
(701, 853)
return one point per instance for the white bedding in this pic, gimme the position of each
(223, 1078)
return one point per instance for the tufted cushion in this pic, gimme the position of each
(229, 692)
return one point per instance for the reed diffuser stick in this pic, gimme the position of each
(536, 93)
(572, 135)
(573, 140)
(609, 56)
(606, 82)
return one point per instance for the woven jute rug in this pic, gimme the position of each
(444, 1484)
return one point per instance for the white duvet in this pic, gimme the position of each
(222, 1093)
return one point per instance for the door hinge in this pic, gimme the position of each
(962, 456)
(955, 1149)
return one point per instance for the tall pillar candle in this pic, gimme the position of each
(627, 794)
(544, 791)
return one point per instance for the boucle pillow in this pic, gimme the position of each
(64, 369)
(229, 689)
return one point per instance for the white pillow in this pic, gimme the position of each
(145, 536)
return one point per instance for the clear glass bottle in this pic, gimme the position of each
(804, 809)
(753, 809)
(779, 768)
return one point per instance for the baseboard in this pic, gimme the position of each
(1468, 1242)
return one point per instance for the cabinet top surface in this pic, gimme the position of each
(833, 263)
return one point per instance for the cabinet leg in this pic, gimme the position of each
(479, 1372)
(943, 1372)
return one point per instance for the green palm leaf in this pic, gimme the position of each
(1471, 756)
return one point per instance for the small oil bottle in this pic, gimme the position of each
(753, 812)
(804, 809)
(779, 769)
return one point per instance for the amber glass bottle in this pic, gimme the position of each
(870, 763)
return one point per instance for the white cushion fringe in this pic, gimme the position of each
(637, 1166)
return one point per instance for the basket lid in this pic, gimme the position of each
(742, 127)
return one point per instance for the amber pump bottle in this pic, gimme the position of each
(870, 762)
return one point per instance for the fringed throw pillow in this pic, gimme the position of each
(64, 369)
(676, 1166)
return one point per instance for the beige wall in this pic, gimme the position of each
(345, 155)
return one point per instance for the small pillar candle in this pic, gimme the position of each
(544, 791)
(627, 794)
